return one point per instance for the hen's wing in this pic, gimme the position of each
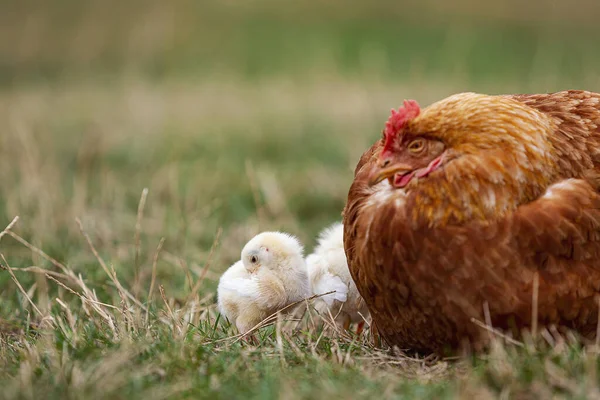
(557, 236)
(561, 230)
(576, 139)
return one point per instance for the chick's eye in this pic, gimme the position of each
(253, 259)
(416, 145)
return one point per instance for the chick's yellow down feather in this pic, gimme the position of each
(270, 275)
(328, 271)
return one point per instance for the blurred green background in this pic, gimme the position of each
(537, 45)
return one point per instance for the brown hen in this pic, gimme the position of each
(461, 205)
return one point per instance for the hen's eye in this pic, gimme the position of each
(253, 259)
(416, 145)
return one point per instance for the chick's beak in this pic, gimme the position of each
(387, 168)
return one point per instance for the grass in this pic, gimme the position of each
(139, 168)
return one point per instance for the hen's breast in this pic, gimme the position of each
(426, 287)
(410, 277)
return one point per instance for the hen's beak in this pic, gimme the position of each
(383, 171)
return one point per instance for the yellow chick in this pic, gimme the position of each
(270, 275)
(328, 271)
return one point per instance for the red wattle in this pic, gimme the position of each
(433, 165)
(403, 180)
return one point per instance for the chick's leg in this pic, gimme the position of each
(244, 323)
(360, 327)
(346, 323)
(251, 339)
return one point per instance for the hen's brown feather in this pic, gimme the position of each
(427, 259)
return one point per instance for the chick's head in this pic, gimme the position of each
(272, 250)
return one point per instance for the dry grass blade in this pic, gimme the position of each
(59, 283)
(43, 271)
(153, 280)
(111, 275)
(21, 289)
(70, 317)
(82, 297)
(188, 275)
(137, 239)
(496, 332)
(279, 339)
(40, 252)
(534, 304)
(161, 289)
(9, 226)
(94, 304)
(207, 264)
(68, 274)
(488, 318)
(95, 252)
(272, 318)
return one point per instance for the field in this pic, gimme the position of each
(142, 145)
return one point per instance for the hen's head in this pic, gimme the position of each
(467, 156)
(274, 251)
(416, 142)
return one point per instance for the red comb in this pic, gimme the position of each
(398, 119)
